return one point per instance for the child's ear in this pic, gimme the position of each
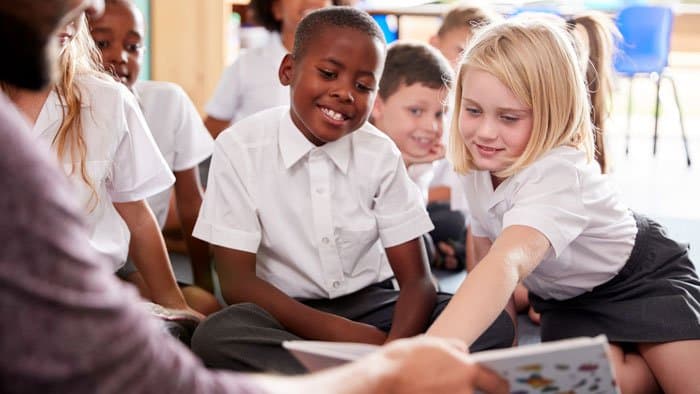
(286, 70)
(434, 41)
(377, 109)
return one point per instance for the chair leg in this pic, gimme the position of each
(629, 117)
(680, 118)
(656, 112)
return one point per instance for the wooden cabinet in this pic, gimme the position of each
(189, 43)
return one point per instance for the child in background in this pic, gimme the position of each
(410, 109)
(311, 213)
(98, 132)
(177, 130)
(250, 83)
(543, 214)
(445, 198)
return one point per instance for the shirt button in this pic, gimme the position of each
(325, 240)
(336, 284)
(320, 190)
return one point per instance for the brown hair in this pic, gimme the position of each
(414, 62)
(596, 51)
(466, 15)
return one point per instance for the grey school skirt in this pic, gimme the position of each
(654, 298)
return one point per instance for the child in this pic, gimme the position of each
(447, 203)
(250, 84)
(593, 34)
(410, 109)
(97, 131)
(543, 214)
(177, 130)
(457, 28)
(311, 209)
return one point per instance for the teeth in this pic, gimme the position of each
(332, 114)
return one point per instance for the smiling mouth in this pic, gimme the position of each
(334, 115)
(487, 149)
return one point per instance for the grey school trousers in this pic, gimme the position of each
(245, 337)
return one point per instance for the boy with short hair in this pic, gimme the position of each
(410, 108)
(310, 209)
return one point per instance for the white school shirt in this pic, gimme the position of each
(123, 161)
(421, 175)
(251, 83)
(567, 199)
(178, 131)
(318, 218)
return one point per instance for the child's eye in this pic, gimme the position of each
(472, 111)
(364, 87)
(102, 44)
(133, 48)
(416, 111)
(439, 115)
(327, 74)
(509, 119)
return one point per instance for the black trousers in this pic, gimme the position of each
(245, 337)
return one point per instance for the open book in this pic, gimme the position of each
(578, 365)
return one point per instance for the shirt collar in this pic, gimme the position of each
(293, 145)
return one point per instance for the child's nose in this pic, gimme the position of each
(486, 129)
(343, 93)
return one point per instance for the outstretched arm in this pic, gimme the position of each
(417, 293)
(489, 286)
(416, 365)
(239, 283)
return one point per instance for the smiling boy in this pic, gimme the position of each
(311, 212)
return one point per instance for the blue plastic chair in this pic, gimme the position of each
(646, 43)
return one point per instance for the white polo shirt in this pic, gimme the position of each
(317, 217)
(123, 161)
(177, 129)
(251, 83)
(567, 199)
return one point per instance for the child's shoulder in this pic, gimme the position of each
(255, 129)
(370, 138)
(563, 162)
(158, 88)
(103, 92)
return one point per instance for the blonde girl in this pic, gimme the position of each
(94, 126)
(543, 215)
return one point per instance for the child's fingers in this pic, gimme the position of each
(446, 249)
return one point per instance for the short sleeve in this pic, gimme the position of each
(138, 170)
(228, 216)
(399, 209)
(225, 100)
(193, 142)
(549, 199)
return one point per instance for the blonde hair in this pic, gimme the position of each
(78, 57)
(537, 61)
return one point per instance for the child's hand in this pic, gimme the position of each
(437, 152)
